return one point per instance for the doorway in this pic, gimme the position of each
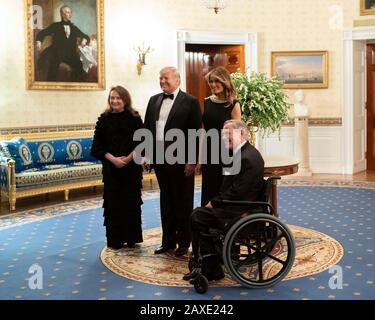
(202, 58)
(370, 107)
(248, 39)
(358, 104)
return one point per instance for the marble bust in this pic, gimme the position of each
(300, 109)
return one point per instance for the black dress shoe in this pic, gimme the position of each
(181, 251)
(162, 249)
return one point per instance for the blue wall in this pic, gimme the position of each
(84, 15)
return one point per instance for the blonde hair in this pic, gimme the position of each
(173, 70)
(223, 76)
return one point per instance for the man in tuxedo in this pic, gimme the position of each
(244, 185)
(64, 46)
(173, 109)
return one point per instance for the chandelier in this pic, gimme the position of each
(216, 5)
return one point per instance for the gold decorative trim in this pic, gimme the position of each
(58, 128)
(308, 182)
(319, 122)
(31, 83)
(63, 187)
(49, 135)
(12, 184)
(364, 23)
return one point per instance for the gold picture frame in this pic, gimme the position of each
(81, 66)
(301, 69)
(367, 7)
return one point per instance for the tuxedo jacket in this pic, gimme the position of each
(62, 48)
(247, 184)
(185, 114)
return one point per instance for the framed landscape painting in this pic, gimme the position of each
(64, 44)
(367, 7)
(301, 69)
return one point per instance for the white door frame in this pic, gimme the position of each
(249, 40)
(349, 36)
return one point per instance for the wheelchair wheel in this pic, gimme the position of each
(258, 251)
(200, 284)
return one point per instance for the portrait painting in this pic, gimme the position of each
(301, 69)
(65, 44)
(367, 7)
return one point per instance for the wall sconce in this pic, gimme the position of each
(216, 5)
(142, 51)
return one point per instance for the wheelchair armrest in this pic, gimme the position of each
(250, 204)
(274, 178)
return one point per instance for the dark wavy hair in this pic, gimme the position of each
(223, 76)
(125, 97)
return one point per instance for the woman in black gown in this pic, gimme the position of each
(218, 108)
(113, 144)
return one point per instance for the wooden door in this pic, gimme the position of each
(200, 59)
(195, 71)
(234, 58)
(370, 155)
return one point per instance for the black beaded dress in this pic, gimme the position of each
(122, 186)
(215, 113)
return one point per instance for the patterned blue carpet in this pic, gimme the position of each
(65, 241)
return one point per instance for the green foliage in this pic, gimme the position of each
(263, 101)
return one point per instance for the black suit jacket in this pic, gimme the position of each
(247, 184)
(63, 48)
(185, 114)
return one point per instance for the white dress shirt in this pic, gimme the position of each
(67, 31)
(165, 109)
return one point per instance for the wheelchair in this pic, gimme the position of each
(256, 249)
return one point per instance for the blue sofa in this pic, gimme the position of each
(41, 163)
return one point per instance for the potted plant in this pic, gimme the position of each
(263, 101)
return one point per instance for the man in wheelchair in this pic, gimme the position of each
(245, 185)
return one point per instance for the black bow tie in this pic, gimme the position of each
(168, 96)
(66, 23)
